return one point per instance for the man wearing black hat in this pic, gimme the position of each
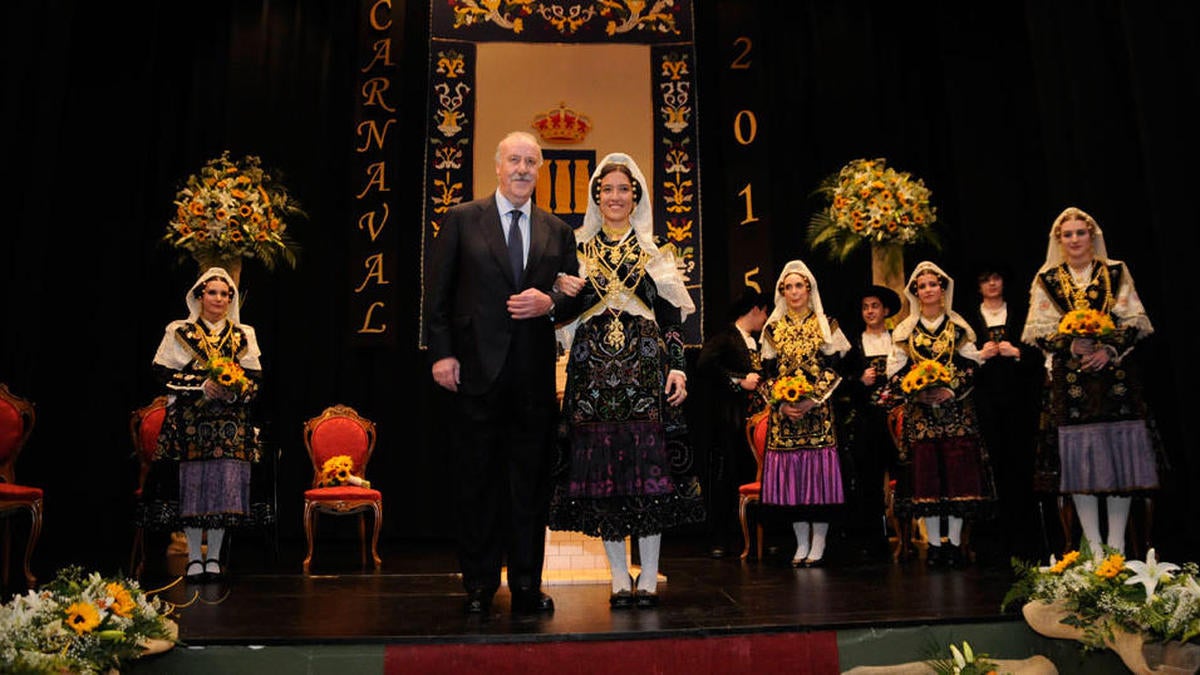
(729, 368)
(871, 446)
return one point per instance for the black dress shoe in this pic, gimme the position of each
(646, 600)
(529, 602)
(621, 600)
(814, 562)
(478, 602)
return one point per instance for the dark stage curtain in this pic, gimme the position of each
(1010, 112)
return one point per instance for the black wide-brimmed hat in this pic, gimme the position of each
(887, 296)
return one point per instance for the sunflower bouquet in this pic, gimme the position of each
(924, 375)
(789, 389)
(1088, 323)
(230, 375)
(339, 470)
(868, 201)
(233, 208)
(82, 624)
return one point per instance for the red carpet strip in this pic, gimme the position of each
(807, 653)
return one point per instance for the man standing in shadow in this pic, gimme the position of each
(729, 371)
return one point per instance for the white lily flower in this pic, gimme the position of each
(1149, 573)
(1191, 587)
(959, 660)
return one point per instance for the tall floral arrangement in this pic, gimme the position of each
(233, 209)
(873, 203)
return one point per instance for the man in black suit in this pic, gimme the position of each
(491, 308)
(729, 369)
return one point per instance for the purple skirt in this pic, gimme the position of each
(214, 486)
(802, 477)
(1106, 457)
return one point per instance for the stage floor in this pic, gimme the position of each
(417, 597)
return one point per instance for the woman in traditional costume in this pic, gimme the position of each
(201, 478)
(629, 468)
(801, 469)
(932, 369)
(1105, 446)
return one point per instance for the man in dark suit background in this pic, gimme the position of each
(491, 308)
(729, 369)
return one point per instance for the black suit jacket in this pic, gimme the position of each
(470, 280)
(724, 357)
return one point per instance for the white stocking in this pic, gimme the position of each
(617, 565)
(1088, 510)
(215, 538)
(195, 538)
(801, 529)
(818, 541)
(1118, 516)
(954, 530)
(648, 549)
(933, 530)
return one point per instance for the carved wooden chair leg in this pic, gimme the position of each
(309, 516)
(378, 511)
(742, 504)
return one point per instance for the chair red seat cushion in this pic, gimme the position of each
(19, 493)
(750, 488)
(342, 492)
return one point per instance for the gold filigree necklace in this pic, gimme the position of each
(939, 347)
(211, 343)
(604, 263)
(1078, 295)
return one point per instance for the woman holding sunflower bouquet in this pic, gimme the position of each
(1085, 314)
(946, 466)
(201, 478)
(801, 470)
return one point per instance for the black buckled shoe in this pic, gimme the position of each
(621, 600)
(213, 570)
(955, 557)
(646, 600)
(933, 556)
(195, 572)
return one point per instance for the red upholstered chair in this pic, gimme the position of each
(756, 438)
(16, 423)
(340, 430)
(144, 425)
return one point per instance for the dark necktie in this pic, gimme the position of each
(516, 255)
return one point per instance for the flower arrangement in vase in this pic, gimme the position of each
(870, 202)
(233, 209)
